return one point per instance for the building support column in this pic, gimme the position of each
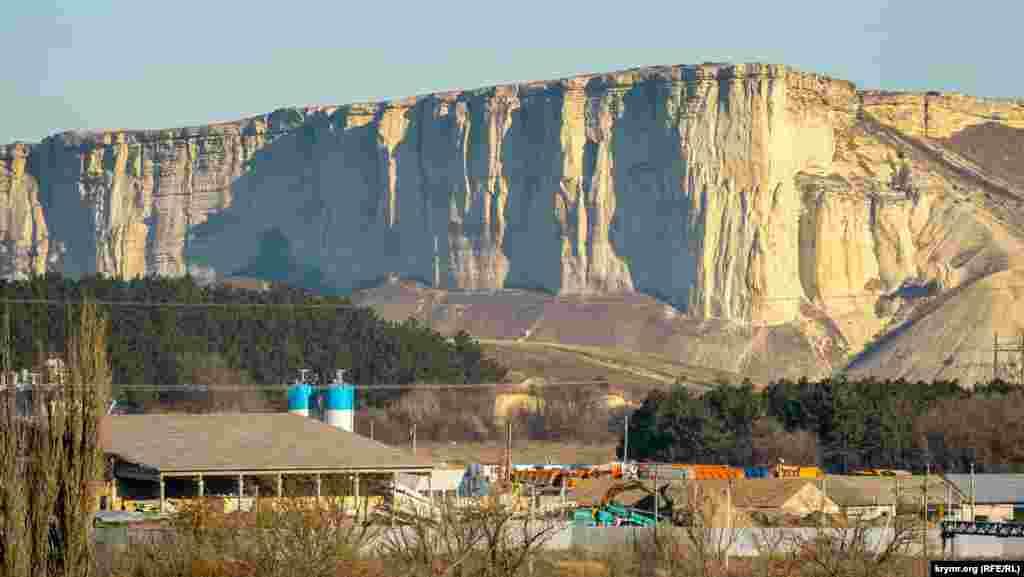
(241, 490)
(355, 482)
(163, 492)
(202, 491)
(319, 487)
(394, 496)
(280, 485)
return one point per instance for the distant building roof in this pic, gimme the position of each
(857, 491)
(768, 493)
(991, 488)
(247, 442)
(439, 480)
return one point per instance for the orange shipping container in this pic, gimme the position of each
(702, 472)
(810, 472)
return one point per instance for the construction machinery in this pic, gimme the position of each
(616, 490)
(609, 512)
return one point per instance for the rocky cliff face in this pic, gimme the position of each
(748, 193)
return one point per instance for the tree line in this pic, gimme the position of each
(839, 423)
(249, 337)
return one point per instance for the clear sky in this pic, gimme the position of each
(90, 64)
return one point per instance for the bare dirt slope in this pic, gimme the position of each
(631, 371)
(532, 452)
(955, 340)
(632, 340)
(997, 148)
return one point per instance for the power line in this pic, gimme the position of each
(255, 387)
(174, 304)
(568, 299)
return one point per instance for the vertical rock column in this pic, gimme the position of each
(24, 237)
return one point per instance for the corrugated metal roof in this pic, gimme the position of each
(991, 488)
(856, 491)
(770, 493)
(246, 442)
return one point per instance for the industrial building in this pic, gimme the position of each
(865, 497)
(995, 497)
(157, 457)
(213, 454)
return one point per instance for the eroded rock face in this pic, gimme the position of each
(743, 193)
(24, 237)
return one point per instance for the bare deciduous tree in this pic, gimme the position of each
(440, 544)
(53, 458)
(490, 539)
(707, 533)
(281, 538)
(772, 442)
(856, 547)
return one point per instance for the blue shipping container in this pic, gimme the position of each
(756, 472)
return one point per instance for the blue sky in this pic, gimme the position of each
(90, 64)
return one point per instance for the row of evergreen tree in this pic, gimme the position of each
(851, 424)
(165, 331)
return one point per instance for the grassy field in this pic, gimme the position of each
(633, 371)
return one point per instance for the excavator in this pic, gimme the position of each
(610, 512)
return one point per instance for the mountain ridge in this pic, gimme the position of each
(755, 194)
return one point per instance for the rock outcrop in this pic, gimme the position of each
(753, 194)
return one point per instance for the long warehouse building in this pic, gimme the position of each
(199, 453)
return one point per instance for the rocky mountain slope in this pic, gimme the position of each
(789, 218)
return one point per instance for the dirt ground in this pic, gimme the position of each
(534, 452)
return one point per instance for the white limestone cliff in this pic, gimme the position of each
(741, 192)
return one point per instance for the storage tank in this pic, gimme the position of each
(298, 399)
(341, 404)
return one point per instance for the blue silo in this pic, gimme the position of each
(298, 399)
(341, 404)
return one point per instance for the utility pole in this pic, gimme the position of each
(728, 521)
(1020, 367)
(625, 444)
(656, 499)
(657, 519)
(995, 356)
(508, 453)
(973, 502)
(414, 438)
(437, 266)
(533, 499)
(924, 534)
